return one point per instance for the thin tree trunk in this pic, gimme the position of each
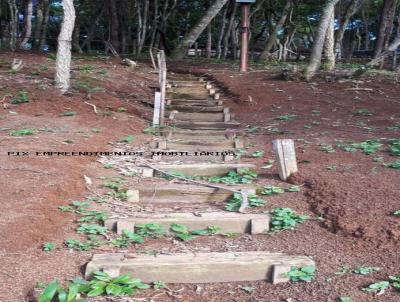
(92, 28)
(77, 29)
(114, 25)
(316, 53)
(43, 36)
(39, 24)
(13, 24)
(274, 34)
(366, 25)
(155, 24)
(63, 60)
(228, 33)
(383, 24)
(143, 31)
(221, 33)
(329, 46)
(28, 24)
(192, 36)
(354, 6)
(209, 41)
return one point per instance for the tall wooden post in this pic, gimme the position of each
(245, 37)
(244, 47)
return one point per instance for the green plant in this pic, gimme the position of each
(293, 189)
(126, 239)
(346, 299)
(395, 281)
(394, 146)
(182, 232)
(258, 154)
(121, 109)
(362, 112)
(21, 97)
(93, 229)
(210, 230)
(327, 148)
(127, 139)
(48, 247)
(272, 190)
(55, 291)
(233, 204)
(380, 286)
(68, 113)
(92, 216)
(239, 153)
(245, 176)
(108, 166)
(285, 219)
(268, 164)
(394, 128)
(368, 147)
(86, 68)
(365, 270)
(23, 132)
(150, 230)
(305, 273)
(159, 285)
(247, 289)
(396, 213)
(285, 117)
(150, 130)
(78, 245)
(393, 165)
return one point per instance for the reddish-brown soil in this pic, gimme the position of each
(350, 204)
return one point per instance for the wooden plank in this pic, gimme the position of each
(199, 117)
(195, 268)
(285, 154)
(206, 125)
(203, 169)
(157, 109)
(198, 109)
(226, 222)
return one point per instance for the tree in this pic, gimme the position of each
(63, 60)
(28, 24)
(191, 37)
(316, 53)
(385, 19)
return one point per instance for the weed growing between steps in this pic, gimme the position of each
(101, 284)
(234, 204)
(306, 274)
(285, 219)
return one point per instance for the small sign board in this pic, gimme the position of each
(245, 1)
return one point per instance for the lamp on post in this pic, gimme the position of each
(244, 51)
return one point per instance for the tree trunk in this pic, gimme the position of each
(43, 35)
(228, 33)
(209, 41)
(92, 28)
(77, 28)
(354, 6)
(329, 46)
(221, 33)
(13, 24)
(155, 25)
(143, 31)
(28, 24)
(274, 33)
(114, 25)
(366, 25)
(63, 60)
(316, 53)
(192, 36)
(383, 24)
(39, 23)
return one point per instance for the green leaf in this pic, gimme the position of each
(378, 286)
(179, 228)
(365, 270)
(185, 237)
(73, 290)
(62, 295)
(96, 291)
(49, 292)
(346, 299)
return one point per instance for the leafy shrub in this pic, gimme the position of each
(233, 204)
(21, 97)
(285, 219)
(306, 274)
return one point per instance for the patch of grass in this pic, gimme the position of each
(396, 213)
(394, 128)
(393, 165)
(379, 286)
(285, 219)
(244, 177)
(272, 190)
(48, 247)
(150, 230)
(247, 289)
(23, 132)
(346, 299)
(395, 282)
(394, 146)
(182, 232)
(362, 112)
(127, 139)
(92, 229)
(368, 147)
(285, 117)
(233, 204)
(121, 109)
(305, 273)
(21, 97)
(159, 285)
(78, 245)
(293, 189)
(87, 68)
(126, 239)
(92, 216)
(365, 270)
(68, 113)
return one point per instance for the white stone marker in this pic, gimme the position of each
(285, 154)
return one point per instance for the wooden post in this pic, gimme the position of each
(285, 154)
(157, 109)
(163, 83)
(245, 37)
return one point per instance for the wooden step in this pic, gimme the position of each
(198, 109)
(198, 117)
(205, 125)
(210, 135)
(186, 96)
(201, 169)
(225, 222)
(150, 192)
(189, 102)
(196, 268)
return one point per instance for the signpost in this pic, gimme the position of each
(244, 51)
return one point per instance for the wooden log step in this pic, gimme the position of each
(185, 96)
(206, 125)
(193, 108)
(150, 193)
(225, 222)
(196, 268)
(175, 156)
(199, 147)
(201, 169)
(212, 135)
(188, 90)
(198, 103)
(198, 117)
